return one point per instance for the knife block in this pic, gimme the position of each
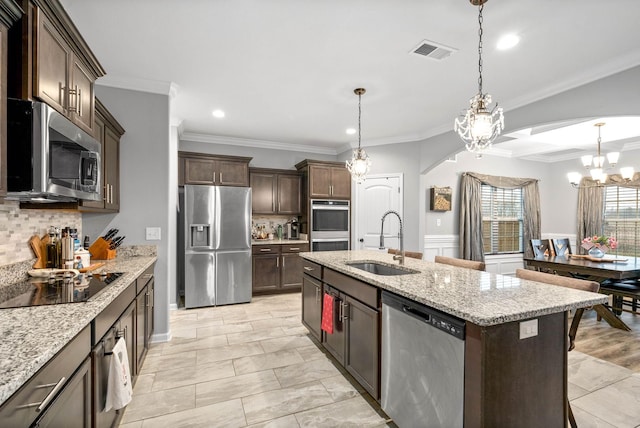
(100, 250)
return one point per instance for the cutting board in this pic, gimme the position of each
(36, 245)
(91, 267)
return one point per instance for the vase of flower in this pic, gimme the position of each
(597, 245)
(596, 252)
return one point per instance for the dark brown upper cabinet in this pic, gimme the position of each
(212, 170)
(10, 12)
(53, 63)
(275, 191)
(328, 180)
(108, 131)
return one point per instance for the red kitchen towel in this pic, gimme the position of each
(327, 313)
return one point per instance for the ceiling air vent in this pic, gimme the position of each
(433, 50)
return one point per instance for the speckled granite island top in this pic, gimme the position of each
(482, 298)
(278, 241)
(31, 336)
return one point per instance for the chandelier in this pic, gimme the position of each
(360, 162)
(595, 165)
(479, 126)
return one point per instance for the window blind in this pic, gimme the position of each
(622, 218)
(502, 220)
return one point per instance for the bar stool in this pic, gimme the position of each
(469, 264)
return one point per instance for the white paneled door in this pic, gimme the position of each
(376, 195)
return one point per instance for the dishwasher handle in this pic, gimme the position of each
(417, 314)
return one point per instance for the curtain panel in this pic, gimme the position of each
(471, 242)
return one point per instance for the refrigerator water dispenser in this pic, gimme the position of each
(200, 236)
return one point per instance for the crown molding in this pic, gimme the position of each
(137, 84)
(263, 144)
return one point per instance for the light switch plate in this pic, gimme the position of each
(153, 233)
(528, 328)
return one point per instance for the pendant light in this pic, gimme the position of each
(598, 174)
(360, 162)
(479, 126)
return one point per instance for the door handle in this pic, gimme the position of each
(361, 239)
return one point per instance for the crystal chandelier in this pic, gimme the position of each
(360, 162)
(597, 172)
(480, 124)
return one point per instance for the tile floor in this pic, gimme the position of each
(254, 365)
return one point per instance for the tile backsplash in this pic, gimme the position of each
(17, 226)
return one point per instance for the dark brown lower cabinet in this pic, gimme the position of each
(277, 268)
(312, 305)
(362, 357)
(355, 341)
(72, 406)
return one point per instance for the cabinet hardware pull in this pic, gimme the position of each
(340, 311)
(220, 177)
(41, 405)
(75, 104)
(265, 250)
(111, 193)
(278, 262)
(283, 260)
(308, 269)
(294, 249)
(61, 95)
(317, 294)
(345, 311)
(214, 176)
(79, 98)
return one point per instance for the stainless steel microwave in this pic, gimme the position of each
(49, 159)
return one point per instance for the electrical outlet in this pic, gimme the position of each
(438, 222)
(528, 328)
(153, 234)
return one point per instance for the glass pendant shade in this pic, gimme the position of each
(613, 158)
(574, 178)
(586, 161)
(359, 165)
(627, 173)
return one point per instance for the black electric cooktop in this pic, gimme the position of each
(55, 290)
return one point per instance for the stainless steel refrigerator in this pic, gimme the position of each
(216, 238)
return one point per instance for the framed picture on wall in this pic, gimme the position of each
(440, 198)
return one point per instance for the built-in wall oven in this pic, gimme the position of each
(329, 225)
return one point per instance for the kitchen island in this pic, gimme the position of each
(32, 336)
(515, 338)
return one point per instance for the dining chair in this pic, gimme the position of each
(541, 247)
(469, 264)
(563, 281)
(562, 247)
(412, 254)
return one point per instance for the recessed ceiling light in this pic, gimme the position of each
(351, 131)
(218, 113)
(507, 41)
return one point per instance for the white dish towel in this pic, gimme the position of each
(119, 391)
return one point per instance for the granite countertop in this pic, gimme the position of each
(278, 241)
(482, 298)
(31, 336)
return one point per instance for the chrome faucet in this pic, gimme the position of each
(400, 256)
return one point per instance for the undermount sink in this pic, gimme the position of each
(381, 269)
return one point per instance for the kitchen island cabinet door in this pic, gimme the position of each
(363, 345)
(312, 305)
(335, 342)
(72, 407)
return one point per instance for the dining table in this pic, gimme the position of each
(602, 270)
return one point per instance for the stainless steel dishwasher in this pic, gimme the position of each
(422, 364)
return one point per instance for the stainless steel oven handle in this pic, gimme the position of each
(329, 208)
(330, 240)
